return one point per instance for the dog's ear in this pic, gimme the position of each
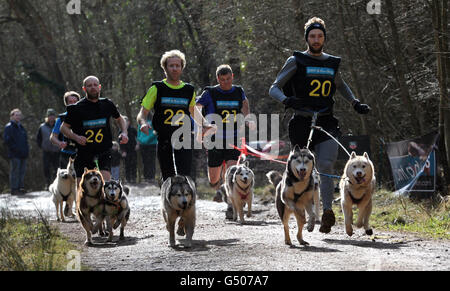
(192, 185)
(85, 170)
(353, 155)
(246, 163)
(366, 155)
(165, 186)
(296, 148)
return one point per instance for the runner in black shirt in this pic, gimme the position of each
(307, 83)
(87, 123)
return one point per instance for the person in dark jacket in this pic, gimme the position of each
(50, 152)
(16, 141)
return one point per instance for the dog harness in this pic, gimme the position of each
(243, 195)
(65, 197)
(116, 204)
(355, 201)
(298, 195)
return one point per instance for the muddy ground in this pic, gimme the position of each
(219, 244)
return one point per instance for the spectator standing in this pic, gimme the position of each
(16, 141)
(147, 145)
(50, 152)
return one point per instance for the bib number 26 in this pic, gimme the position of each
(92, 136)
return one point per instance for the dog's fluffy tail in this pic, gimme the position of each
(274, 177)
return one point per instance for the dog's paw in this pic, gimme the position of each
(369, 231)
(116, 225)
(310, 227)
(180, 231)
(88, 243)
(349, 231)
(172, 243)
(359, 224)
(249, 214)
(288, 242)
(303, 243)
(188, 244)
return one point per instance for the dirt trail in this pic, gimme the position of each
(223, 245)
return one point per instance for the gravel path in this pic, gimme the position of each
(223, 245)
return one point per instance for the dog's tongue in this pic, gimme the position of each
(360, 180)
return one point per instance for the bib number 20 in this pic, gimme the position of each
(92, 136)
(324, 87)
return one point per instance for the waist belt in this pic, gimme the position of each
(310, 114)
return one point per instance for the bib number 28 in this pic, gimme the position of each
(92, 136)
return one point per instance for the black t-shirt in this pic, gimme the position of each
(91, 119)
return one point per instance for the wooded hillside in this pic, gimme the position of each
(396, 61)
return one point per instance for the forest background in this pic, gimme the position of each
(395, 58)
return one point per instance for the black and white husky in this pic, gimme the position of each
(239, 181)
(117, 209)
(296, 191)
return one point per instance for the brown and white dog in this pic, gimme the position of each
(239, 181)
(357, 186)
(90, 200)
(296, 191)
(64, 189)
(117, 209)
(178, 196)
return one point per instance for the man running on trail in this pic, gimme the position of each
(226, 100)
(307, 83)
(68, 147)
(87, 123)
(171, 100)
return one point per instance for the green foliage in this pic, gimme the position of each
(424, 218)
(28, 244)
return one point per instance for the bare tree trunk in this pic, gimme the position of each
(400, 68)
(350, 63)
(439, 15)
(40, 35)
(200, 43)
(120, 54)
(82, 36)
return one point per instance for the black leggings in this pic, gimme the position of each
(183, 159)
